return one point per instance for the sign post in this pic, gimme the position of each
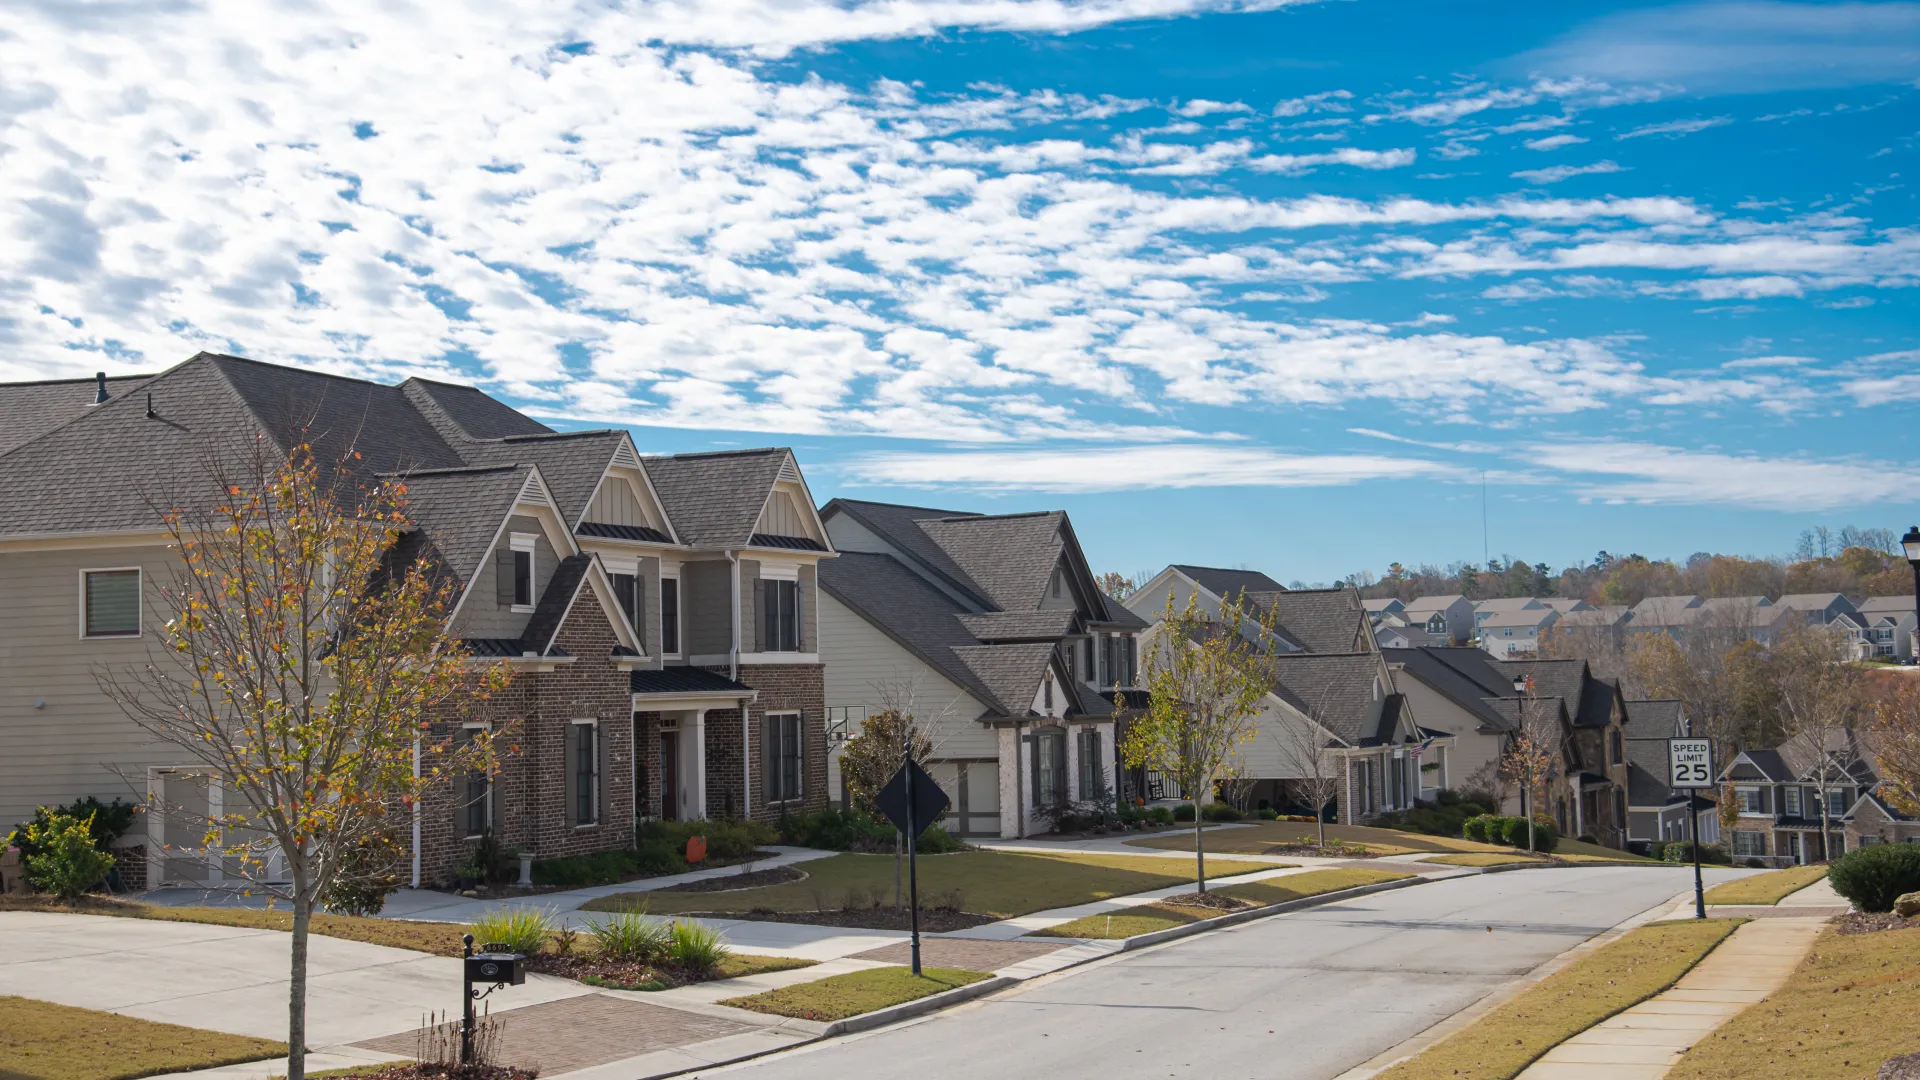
(912, 801)
(1690, 768)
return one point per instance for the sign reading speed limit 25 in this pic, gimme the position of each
(1690, 763)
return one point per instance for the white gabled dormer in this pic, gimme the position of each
(626, 497)
(789, 511)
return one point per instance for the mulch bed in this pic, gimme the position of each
(430, 1070)
(615, 974)
(1859, 922)
(508, 892)
(1331, 851)
(1211, 901)
(778, 875)
(879, 918)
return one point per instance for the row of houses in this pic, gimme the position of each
(694, 635)
(1877, 627)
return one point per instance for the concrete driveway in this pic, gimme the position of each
(235, 980)
(1304, 996)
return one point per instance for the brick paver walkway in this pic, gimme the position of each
(1645, 1041)
(559, 1036)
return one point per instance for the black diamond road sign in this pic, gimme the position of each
(929, 802)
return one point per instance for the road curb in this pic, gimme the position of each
(919, 1006)
(1174, 933)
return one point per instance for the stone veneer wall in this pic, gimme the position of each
(530, 791)
(783, 688)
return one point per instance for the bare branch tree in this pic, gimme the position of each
(1315, 774)
(1822, 696)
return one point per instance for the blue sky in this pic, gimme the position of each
(1275, 284)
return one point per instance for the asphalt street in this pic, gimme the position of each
(1304, 996)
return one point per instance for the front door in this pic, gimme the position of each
(670, 775)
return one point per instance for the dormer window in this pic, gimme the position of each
(516, 572)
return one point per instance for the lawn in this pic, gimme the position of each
(1485, 858)
(1256, 839)
(1768, 888)
(1148, 918)
(857, 992)
(1613, 977)
(1001, 884)
(1849, 1006)
(429, 937)
(43, 1041)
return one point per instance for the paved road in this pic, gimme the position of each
(1298, 997)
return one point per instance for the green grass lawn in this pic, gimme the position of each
(1612, 978)
(1148, 918)
(43, 1041)
(1002, 884)
(1768, 888)
(1847, 1008)
(857, 992)
(1257, 838)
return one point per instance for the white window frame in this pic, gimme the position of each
(139, 602)
(466, 780)
(594, 789)
(529, 543)
(679, 614)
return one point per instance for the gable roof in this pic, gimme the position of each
(1223, 582)
(1019, 625)
(714, 499)
(1317, 620)
(1465, 676)
(1336, 691)
(1812, 601)
(1902, 605)
(1647, 774)
(1663, 610)
(1527, 617)
(466, 411)
(902, 605)
(1508, 604)
(29, 410)
(1429, 604)
(571, 463)
(1010, 557)
(459, 511)
(1589, 700)
(1653, 718)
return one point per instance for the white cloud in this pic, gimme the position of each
(1330, 101)
(1133, 468)
(1676, 128)
(1558, 173)
(1554, 142)
(1346, 155)
(1650, 473)
(1203, 107)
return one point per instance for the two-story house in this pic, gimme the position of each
(1879, 627)
(1516, 633)
(569, 567)
(1449, 617)
(1782, 819)
(990, 631)
(1657, 811)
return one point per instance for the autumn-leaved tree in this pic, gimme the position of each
(1895, 739)
(299, 667)
(1533, 753)
(1205, 679)
(1822, 696)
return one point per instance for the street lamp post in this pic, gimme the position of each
(1910, 544)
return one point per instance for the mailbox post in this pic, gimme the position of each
(496, 966)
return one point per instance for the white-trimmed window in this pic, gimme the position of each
(517, 572)
(1792, 802)
(1751, 800)
(475, 812)
(110, 602)
(1748, 844)
(785, 745)
(583, 772)
(630, 591)
(670, 613)
(779, 616)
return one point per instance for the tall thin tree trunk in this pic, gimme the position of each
(297, 985)
(1199, 847)
(1320, 822)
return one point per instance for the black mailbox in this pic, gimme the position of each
(509, 968)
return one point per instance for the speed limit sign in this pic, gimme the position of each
(1690, 763)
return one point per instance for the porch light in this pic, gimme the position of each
(1519, 684)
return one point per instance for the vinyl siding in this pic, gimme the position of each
(616, 505)
(483, 615)
(706, 607)
(1471, 750)
(864, 665)
(78, 743)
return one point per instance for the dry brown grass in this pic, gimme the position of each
(442, 939)
(43, 1041)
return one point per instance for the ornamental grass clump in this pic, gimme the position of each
(630, 936)
(522, 930)
(695, 947)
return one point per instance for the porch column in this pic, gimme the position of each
(699, 765)
(1577, 830)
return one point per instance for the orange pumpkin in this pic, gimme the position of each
(696, 850)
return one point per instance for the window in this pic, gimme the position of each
(1751, 800)
(1793, 802)
(630, 591)
(583, 772)
(1046, 693)
(670, 615)
(1132, 657)
(1748, 844)
(1092, 776)
(1837, 802)
(1617, 747)
(1869, 840)
(1091, 672)
(1049, 767)
(1056, 584)
(785, 755)
(516, 572)
(110, 603)
(780, 616)
(476, 804)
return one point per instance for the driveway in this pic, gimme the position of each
(1304, 996)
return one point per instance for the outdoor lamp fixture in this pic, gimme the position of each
(1910, 544)
(1520, 681)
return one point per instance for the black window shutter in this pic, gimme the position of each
(770, 757)
(572, 769)
(599, 772)
(640, 612)
(799, 619)
(503, 564)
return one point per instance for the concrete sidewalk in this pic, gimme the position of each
(1646, 1040)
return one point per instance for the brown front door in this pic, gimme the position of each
(670, 775)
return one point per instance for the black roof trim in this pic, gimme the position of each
(622, 532)
(775, 540)
(685, 680)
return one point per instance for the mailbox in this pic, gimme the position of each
(489, 967)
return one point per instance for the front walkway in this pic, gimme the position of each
(1646, 1040)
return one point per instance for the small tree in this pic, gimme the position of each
(868, 760)
(1532, 754)
(1205, 679)
(1895, 739)
(301, 670)
(1820, 695)
(1314, 774)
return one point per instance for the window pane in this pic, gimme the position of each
(113, 602)
(670, 615)
(583, 773)
(523, 577)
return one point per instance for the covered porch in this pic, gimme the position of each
(677, 718)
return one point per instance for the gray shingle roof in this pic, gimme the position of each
(1426, 605)
(1012, 672)
(571, 463)
(1656, 718)
(569, 577)
(1318, 620)
(908, 609)
(714, 500)
(460, 511)
(458, 411)
(31, 409)
(1336, 690)
(1453, 681)
(685, 680)
(1010, 557)
(1224, 583)
(1590, 699)
(899, 526)
(1019, 625)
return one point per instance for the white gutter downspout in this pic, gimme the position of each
(733, 672)
(416, 813)
(733, 649)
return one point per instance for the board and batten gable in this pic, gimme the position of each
(60, 739)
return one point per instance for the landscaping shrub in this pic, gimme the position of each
(938, 841)
(1183, 812)
(369, 871)
(523, 930)
(1161, 815)
(727, 838)
(1220, 811)
(695, 947)
(1267, 813)
(489, 862)
(1874, 877)
(1680, 851)
(66, 861)
(1513, 833)
(106, 821)
(837, 830)
(1446, 818)
(630, 936)
(1479, 828)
